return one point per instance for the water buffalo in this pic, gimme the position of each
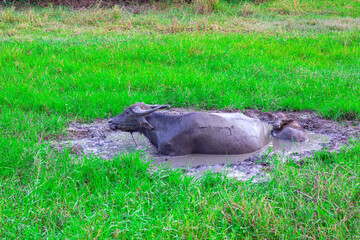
(287, 129)
(196, 132)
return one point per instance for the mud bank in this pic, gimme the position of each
(96, 138)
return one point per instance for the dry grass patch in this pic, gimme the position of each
(120, 20)
(205, 6)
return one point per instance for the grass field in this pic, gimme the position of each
(59, 65)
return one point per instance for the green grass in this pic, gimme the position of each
(60, 65)
(100, 199)
(212, 71)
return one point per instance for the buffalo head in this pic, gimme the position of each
(133, 118)
(281, 121)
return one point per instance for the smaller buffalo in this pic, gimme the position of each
(287, 129)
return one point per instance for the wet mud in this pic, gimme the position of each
(96, 138)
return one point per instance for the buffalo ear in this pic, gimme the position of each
(145, 124)
(285, 122)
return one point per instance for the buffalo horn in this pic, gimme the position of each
(138, 111)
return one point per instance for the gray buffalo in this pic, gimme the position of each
(196, 132)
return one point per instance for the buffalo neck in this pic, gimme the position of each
(161, 123)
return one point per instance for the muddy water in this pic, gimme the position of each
(119, 142)
(283, 148)
(97, 139)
